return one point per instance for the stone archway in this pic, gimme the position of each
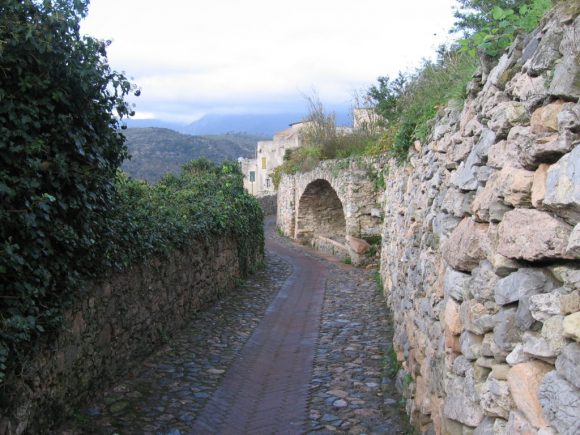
(320, 214)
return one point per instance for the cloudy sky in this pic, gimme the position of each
(195, 57)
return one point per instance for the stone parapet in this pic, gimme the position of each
(114, 324)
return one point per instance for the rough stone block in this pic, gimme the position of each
(526, 88)
(545, 118)
(560, 403)
(524, 282)
(573, 248)
(517, 355)
(533, 235)
(537, 346)
(470, 345)
(500, 371)
(504, 153)
(553, 333)
(503, 266)
(566, 81)
(570, 302)
(491, 426)
(457, 203)
(518, 425)
(488, 346)
(506, 115)
(547, 52)
(568, 274)
(563, 187)
(510, 187)
(477, 317)
(483, 281)
(524, 383)
(544, 306)
(456, 284)
(539, 185)
(571, 325)
(462, 401)
(507, 332)
(463, 250)
(495, 398)
(451, 321)
(465, 178)
(568, 364)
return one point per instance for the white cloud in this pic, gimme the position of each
(203, 56)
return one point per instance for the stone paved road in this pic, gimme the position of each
(281, 354)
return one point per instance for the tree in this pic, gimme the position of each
(60, 147)
(473, 15)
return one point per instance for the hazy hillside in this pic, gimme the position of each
(250, 124)
(156, 151)
(264, 125)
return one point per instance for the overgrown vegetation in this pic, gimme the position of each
(323, 140)
(66, 216)
(407, 104)
(491, 26)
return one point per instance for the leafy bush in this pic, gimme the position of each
(323, 140)
(409, 102)
(60, 147)
(502, 24)
(473, 15)
(66, 216)
(204, 201)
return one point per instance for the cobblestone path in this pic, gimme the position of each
(283, 353)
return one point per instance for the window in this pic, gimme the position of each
(252, 176)
(267, 183)
(263, 162)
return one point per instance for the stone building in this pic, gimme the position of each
(269, 155)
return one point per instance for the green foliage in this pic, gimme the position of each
(498, 25)
(347, 260)
(392, 365)
(322, 141)
(66, 216)
(60, 147)
(204, 201)
(378, 281)
(407, 380)
(409, 102)
(473, 15)
(301, 159)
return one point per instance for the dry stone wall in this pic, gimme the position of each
(481, 249)
(114, 324)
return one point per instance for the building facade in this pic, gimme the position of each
(269, 155)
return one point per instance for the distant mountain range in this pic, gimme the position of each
(264, 125)
(157, 151)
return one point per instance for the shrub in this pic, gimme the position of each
(499, 25)
(60, 147)
(66, 215)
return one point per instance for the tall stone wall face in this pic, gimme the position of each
(114, 324)
(481, 242)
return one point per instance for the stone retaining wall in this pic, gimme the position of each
(114, 324)
(481, 243)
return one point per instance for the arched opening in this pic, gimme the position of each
(320, 213)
